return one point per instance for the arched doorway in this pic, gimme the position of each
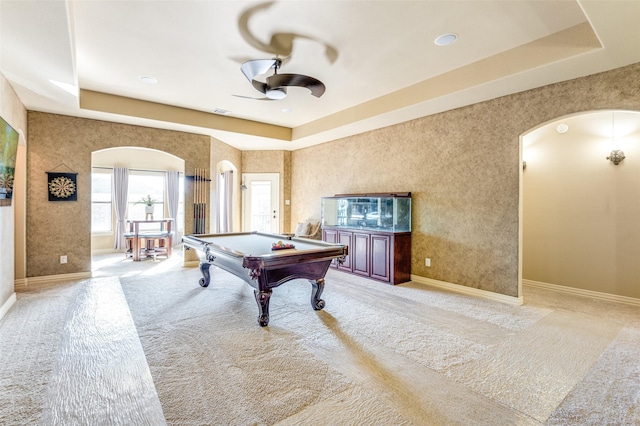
(580, 227)
(226, 193)
(144, 164)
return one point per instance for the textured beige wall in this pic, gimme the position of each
(463, 168)
(581, 226)
(64, 228)
(273, 162)
(14, 113)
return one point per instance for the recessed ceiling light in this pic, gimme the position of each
(221, 111)
(562, 128)
(148, 79)
(287, 110)
(445, 39)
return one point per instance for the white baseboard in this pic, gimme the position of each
(7, 305)
(581, 292)
(106, 251)
(24, 283)
(469, 290)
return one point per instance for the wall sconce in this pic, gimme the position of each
(616, 156)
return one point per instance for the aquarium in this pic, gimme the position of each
(376, 212)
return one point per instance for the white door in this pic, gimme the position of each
(261, 202)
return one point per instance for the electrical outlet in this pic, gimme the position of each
(427, 262)
(63, 259)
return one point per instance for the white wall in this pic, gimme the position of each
(14, 113)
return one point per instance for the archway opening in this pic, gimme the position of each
(148, 170)
(226, 193)
(580, 227)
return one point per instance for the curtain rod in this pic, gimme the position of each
(137, 170)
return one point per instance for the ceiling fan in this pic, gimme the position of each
(276, 85)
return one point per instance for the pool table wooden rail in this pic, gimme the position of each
(310, 260)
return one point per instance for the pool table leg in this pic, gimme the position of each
(206, 278)
(262, 297)
(316, 292)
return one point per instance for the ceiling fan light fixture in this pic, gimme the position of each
(275, 87)
(276, 93)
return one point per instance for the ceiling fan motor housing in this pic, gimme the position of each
(275, 87)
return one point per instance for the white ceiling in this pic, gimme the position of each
(376, 58)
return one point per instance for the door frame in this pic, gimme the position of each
(274, 178)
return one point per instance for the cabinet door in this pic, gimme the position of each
(380, 259)
(331, 236)
(360, 255)
(344, 238)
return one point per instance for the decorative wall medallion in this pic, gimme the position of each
(62, 186)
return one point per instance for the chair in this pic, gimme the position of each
(156, 244)
(309, 229)
(129, 240)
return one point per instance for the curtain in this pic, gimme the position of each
(225, 201)
(120, 189)
(173, 193)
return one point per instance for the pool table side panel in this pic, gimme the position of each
(314, 271)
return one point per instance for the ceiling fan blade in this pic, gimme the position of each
(316, 87)
(259, 86)
(252, 98)
(250, 69)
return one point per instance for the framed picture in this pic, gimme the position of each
(8, 152)
(62, 186)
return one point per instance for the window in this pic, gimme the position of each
(141, 185)
(101, 207)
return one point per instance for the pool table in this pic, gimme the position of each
(251, 257)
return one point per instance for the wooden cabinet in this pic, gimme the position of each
(377, 230)
(382, 256)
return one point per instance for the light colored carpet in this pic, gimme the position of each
(100, 375)
(376, 354)
(71, 356)
(30, 335)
